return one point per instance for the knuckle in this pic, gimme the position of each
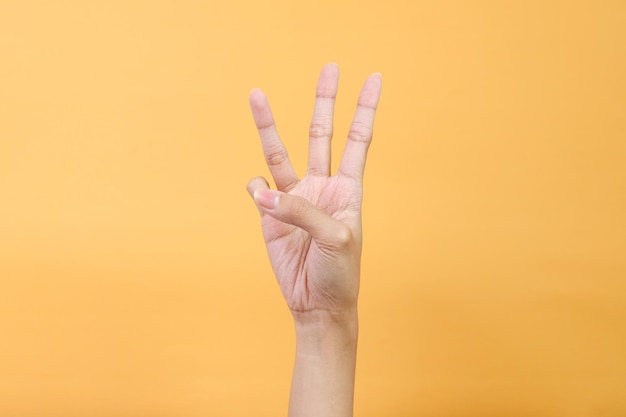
(317, 171)
(343, 237)
(360, 132)
(276, 157)
(320, 130)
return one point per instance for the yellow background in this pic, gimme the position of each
(133, 277)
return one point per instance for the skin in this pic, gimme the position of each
(313, 234)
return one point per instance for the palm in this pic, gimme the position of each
(314, 275)
(302, 269)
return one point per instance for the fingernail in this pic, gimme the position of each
(267, 199)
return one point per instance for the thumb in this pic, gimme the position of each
(302, 213)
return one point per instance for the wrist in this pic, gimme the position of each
(321, 318)
(326, 330)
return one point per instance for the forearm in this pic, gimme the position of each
(323, 376)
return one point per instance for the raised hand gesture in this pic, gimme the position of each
(312, 225)
(312, 230)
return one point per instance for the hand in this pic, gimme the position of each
(312, 226)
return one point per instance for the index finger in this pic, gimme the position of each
(273, 148)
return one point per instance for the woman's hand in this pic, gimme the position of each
(312, 225)
(312, 230)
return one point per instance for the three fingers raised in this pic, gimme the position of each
(296, 210)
